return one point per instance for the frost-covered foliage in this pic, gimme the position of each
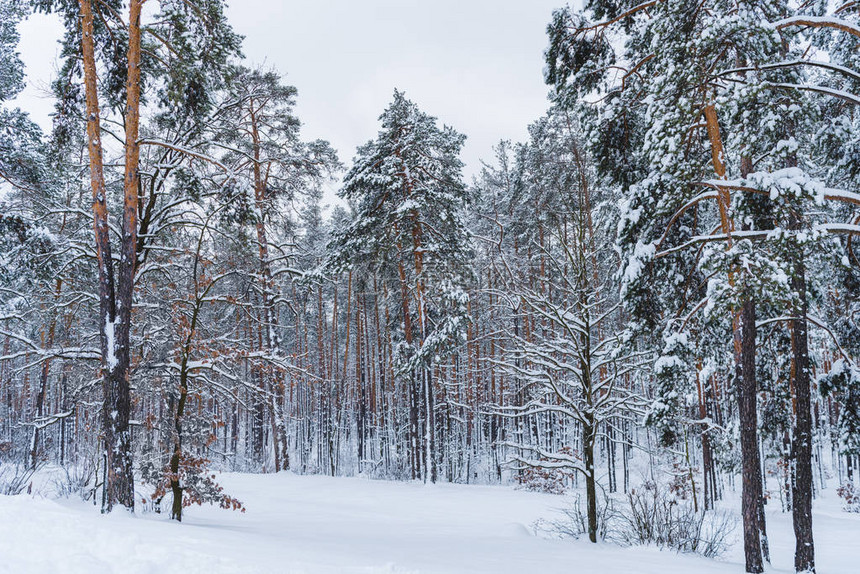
(199, 485)
(851, 497)
(11, 67)
(20, 138)
(843, 381)
(674, 373)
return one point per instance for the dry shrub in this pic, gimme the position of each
(650, 516)
(15, 478)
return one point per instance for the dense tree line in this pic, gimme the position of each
(662, 274)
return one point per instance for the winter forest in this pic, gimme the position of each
(646, 314)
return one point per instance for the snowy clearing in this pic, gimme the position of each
(317, 524)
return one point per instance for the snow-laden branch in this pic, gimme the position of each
(819, 22)
(187, 151)
(548, 459)
(841, 94)
(793, 64)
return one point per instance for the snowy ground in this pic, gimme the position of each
(297, 524)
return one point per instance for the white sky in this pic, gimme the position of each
(475, 64)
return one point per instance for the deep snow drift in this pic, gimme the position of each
(314, 524)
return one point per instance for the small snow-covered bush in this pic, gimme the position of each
(850, 496)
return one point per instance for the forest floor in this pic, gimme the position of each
(314, 524)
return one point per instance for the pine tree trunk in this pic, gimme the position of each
(361, 414)
(414, 438)
(43, 384)
(430, 406)
(751, 464)
(748, 334)
(43, 387)
(801, 495)
(707, 495)
(114, 304)
(588, 439)
(743, 334)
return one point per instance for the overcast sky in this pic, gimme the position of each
(475, 64)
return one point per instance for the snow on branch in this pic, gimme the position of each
(548, 459)
(841, 94)
(188, 152)
(792, 64)
(631, 12)
(819, 22)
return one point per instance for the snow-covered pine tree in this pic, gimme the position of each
(783, 89)
(408, 197)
